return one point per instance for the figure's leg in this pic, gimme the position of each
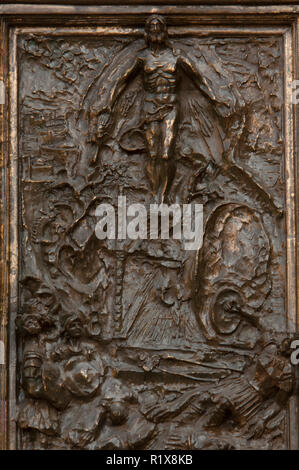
(152, 140)
(168, 134)
(167, 167)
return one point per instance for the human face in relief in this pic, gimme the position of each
(75, 329)
(156, 32)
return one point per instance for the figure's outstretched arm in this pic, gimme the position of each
(188, 65)
(209, 74)
(125, 73)
(114, 80)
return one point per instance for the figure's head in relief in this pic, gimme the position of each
(156, 30)
(73, 326)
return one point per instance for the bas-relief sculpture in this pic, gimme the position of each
(140, 344)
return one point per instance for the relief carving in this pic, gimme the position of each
(141, 344)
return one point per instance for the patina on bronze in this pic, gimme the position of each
(141, 344)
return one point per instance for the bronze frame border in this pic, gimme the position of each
(19, 19)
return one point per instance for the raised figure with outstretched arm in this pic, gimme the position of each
(159, 64)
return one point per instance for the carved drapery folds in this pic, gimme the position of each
(131, 344)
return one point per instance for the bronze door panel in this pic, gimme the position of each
(139, 341)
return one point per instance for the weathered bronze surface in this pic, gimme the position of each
(141, 344)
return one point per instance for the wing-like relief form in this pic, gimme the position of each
(206, 68)
(226, 110)
(213, 107)
(103, 91)
(95, 114)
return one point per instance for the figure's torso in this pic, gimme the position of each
(159, 75)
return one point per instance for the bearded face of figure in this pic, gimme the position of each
(156, 32)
